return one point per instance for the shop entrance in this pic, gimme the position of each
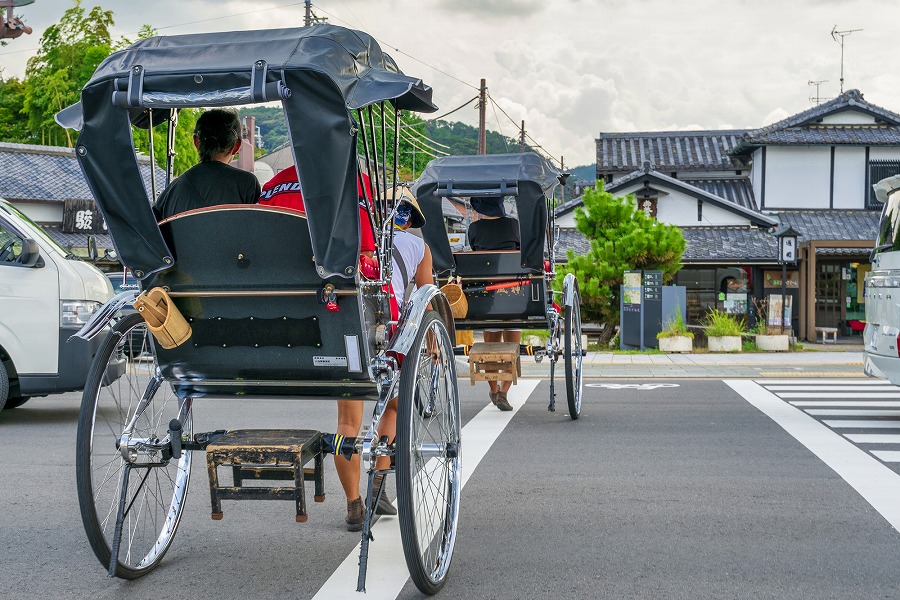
(830, 294)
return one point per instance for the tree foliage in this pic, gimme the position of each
(622, 238)
(70, 52)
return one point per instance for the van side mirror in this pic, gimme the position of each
(31, 253)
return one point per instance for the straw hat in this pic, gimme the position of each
(403, 194)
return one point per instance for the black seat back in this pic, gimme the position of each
(246, 281)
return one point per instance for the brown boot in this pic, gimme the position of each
(383, 506)
(355, 513)
(501, 402)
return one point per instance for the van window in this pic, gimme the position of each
(889, 227)
(10, 244)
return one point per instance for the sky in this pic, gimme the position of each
(574, 68)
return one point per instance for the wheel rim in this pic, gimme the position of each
(574, 356)
(432, 469)
(155, 495)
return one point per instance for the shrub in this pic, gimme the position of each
(675, 328)
(720, 324)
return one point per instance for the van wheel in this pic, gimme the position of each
(16, 402)
(4, 385)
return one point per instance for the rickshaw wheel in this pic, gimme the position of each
(155, 494)
(573, 353)
(428, 455)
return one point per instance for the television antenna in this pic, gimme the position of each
(834, 35)
(815, 98)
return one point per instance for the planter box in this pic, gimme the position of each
(676, 343)
(773, 343)
(728, 343)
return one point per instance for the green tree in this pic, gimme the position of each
(70, 52)
(185, 153)
(13, 126)
(622, 238)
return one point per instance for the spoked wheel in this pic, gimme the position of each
(123, 400)
(574, 383)
(428, 455)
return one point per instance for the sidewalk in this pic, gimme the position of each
(810, 363)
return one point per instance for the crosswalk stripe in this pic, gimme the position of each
(860, 424)
(873, 438)
(829, 388)
(868, 381)
(849, 412)
(887, 455)
(860, 403)
(841, 395)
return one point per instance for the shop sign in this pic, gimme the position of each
(82, 216)
(772, 279)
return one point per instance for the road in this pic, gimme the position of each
(663, 489)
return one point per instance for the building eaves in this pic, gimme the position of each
(669, 150)
(832, 224)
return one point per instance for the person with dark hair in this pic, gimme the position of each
(493, 230)
(212, 181)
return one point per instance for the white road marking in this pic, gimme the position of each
(387, 572)
(873, 438)
(887, 455)
(876, 483)
(842, 396)
(848, 412)
(867, 381)
(859, 424)
(861, 404)
(828, 388)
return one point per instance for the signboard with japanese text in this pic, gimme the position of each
(772, 279)
(82, 216)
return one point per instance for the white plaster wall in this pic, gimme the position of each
(566, 220)
(797, 177)
(884, 153)
(680, 209)
(849, 117)
(44, 214)
(849, 176)
(756, 173)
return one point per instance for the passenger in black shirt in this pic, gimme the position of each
(494, 230)
(213, 180)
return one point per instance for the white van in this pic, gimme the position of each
(46, 295)
(882, 333)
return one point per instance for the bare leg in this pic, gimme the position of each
(493, 336)
(387, 426)
(350, 413)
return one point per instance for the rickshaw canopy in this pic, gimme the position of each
(527, 176)
(318, 73)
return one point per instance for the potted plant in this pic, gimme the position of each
(770, 339)
(723, 332)
(675, 337)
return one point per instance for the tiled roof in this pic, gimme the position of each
(703, 244)
(50, 174)
(668, 150)
(737, 190)
(845, 225)
(805, 127)
(78, 240)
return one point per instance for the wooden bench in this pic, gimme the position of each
(826, 333)
(494, 361)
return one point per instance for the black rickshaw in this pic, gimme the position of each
(273, 299)
(507, 289)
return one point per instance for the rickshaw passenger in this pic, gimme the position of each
(495, 231)
(212, 181)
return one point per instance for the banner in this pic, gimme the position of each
(772, 279)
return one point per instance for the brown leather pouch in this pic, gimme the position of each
(163, 318)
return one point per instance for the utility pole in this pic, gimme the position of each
(562, 189)
(482, 105)
(307, 19)
(522, 137)
(842, 34)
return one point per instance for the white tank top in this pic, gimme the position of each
(412, 250)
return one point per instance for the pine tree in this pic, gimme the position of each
(622, 238)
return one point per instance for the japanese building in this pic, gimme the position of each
(730, 190)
